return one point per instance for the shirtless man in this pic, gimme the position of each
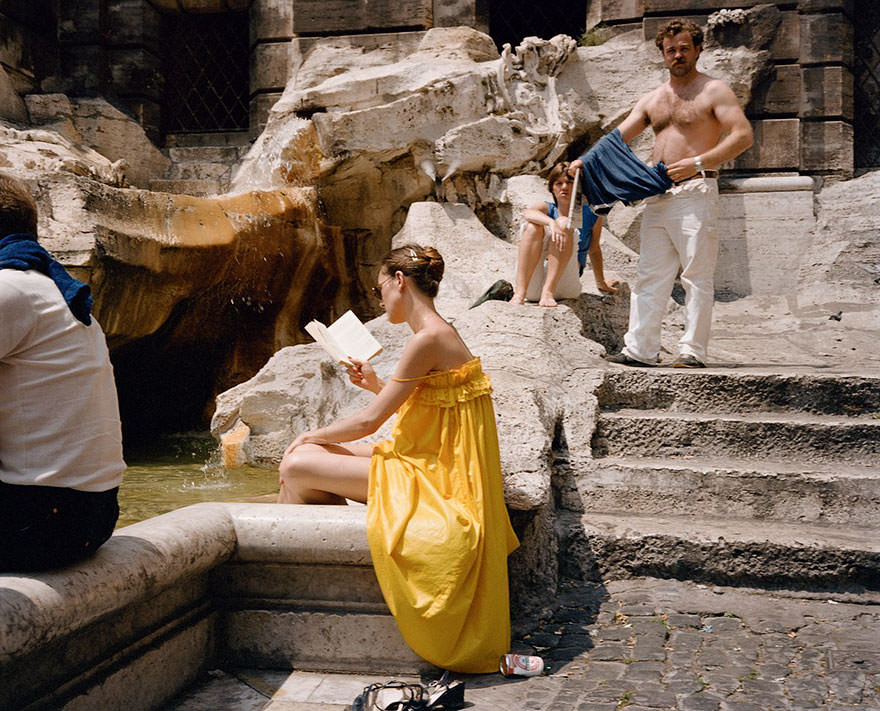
(698, 125)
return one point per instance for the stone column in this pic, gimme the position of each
(271, 32)
(134, 61)
(82, 64)
(826, 111)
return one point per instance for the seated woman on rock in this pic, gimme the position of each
(437, 525)
(547, 233)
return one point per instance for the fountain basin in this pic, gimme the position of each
(213, 584)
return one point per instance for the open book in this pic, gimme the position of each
(345, 338)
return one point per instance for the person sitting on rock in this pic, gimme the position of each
(60, 435)
(437, 525)
(546, 233)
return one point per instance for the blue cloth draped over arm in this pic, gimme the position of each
(612, 172)
(21, 251)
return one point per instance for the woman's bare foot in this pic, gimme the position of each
(608, 288)
(517, 299)
(547, 300)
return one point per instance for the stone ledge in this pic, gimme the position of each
(781, 183)
(136, 563)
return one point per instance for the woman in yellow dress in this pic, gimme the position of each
(438, 529)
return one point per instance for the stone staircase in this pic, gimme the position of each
(201, 164)
(730, 477)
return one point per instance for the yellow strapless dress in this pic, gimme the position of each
(438, 529)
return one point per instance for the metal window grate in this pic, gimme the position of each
(866, 75)
(512, 20)
(206, 73)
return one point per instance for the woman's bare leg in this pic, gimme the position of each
(596, 262)
(325, 474)
(531, 244)
(556, 260)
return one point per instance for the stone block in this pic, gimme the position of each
(614, 11)
(462, 13)
(134, 22)
(269, 66)
(82, 67)
(752, 259)
(827, 93)
(675, 8)
(827, 147)
(135, 71)
(786, 46)
(826, 39)
(651, 25)
(317, 641)
(845, 6)
(776, 147)
(780, 93)
(147, 113)
(79, 21)
(328, 16)
(271, 20)
(260, 106)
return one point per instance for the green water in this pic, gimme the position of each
(182, 470)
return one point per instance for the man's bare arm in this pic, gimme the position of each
(636, 122)
(629, 128)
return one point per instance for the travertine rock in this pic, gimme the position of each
(12, 107)
(375, 139)
(105, 129)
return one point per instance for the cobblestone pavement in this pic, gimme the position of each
(643, 644)
(660, 644)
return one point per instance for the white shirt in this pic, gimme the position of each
(59, 415)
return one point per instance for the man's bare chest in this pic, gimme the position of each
(679, 112)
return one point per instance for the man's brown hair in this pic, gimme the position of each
(18, 210)
(673, 27)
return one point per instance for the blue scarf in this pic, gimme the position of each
(21, 251)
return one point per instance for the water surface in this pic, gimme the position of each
(181, 470)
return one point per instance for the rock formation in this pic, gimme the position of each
(196, 293)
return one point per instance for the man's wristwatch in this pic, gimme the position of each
(698, 164)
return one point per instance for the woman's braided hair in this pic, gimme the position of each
(424, 265)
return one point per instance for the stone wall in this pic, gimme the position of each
(802, 112)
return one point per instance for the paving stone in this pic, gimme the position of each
(653, 694)
(723, 624)
(847, 686)
(700, 702)
(596, 706)
(644, 671)
(679, 621)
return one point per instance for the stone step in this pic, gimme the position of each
(733, 391)
(723, 551)
(198, 188)
(206, 154)
(742, 488)
(213, 138)
(775, 436)
(219, 172)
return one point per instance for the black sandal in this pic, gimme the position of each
(445, 694)
(391, 696)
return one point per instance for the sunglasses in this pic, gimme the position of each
(377, 290)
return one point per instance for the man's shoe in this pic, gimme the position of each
(688, 361)
(624, 359)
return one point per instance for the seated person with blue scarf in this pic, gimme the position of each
(546, 233)
(60, 435)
